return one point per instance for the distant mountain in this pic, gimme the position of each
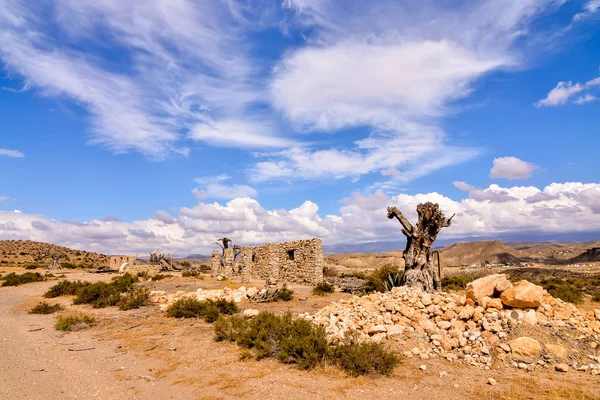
(196, 257)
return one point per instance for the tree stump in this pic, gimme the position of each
(420, 268)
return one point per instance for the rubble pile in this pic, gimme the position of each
(471, 328)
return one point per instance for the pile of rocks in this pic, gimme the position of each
(471, 327)
(165, 299)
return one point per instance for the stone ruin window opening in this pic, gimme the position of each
(253, 258)
(291, 254)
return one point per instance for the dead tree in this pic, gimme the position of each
(420, 268)
(224, 243)
(54, 260)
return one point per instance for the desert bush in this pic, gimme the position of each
(323, 289)
(102, 294)
(74, 322)
(33, 266)
(284, 294)
(330, 272)
(70, 265)
(138, 298)
(456, 282)
(299, 342)
(192, 274)
(65, 288)
(362, 358)
(596, 297)
(209, 310)
(160, 277)
(380, 278)
(45, 308)
(204, 268)
(13, 279)
(185, 264)
(567, 290)
(142, 274)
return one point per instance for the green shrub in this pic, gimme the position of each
(456, 282)
(13, 279)
(299, 342)
(566, 290)
(65, 288)
(330, 272)
(185, 264)
(596, 297)
(102, 294)
(33, 266)
(284, 294)
(192, 274)
(323, 289)
(74, 322)
(363, 358)
(45, 308)
(209, 310)
(160, 277)
(380, 278)
(138, 298)
(393, 280)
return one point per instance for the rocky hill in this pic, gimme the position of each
(491, 252)
(27, 252)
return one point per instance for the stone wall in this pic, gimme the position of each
(300, 261)
(114, 262)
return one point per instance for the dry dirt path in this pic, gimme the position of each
(38, 362)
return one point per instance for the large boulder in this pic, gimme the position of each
(525, 347)
(488, 286)
(523, 295)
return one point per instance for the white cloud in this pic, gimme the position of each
(212, 187)
(463, 186)
(564, 91)
(2, 198)
(238, 133)
(585, 99)
(590, 8)
(511, 168)
(11, 153)
(558, 208)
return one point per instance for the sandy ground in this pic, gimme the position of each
(142, 354)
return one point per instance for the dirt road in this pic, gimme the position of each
(38, 362)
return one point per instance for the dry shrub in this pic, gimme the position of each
(13, 279)
(323, 289)
(209, 310)
(299, 342)
(138, 298)
(45, 308)
(74, 322)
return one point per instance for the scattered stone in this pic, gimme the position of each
(492, 381)
(423, 367)
(557, 350)
(487, 286)
(525, 347)
(562, 368)
(250, 313)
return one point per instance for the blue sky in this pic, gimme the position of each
(133, 125)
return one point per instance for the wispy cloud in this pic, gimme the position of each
(213, 187)
(565, 91)
(11, 153)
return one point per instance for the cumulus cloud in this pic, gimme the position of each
(11, 153)
(585, 99)
(557, 208)
(511, 168)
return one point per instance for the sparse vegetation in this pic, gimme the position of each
(380, 279)
(160, 277)
(284, 294)
(298, 341)
(322, 289)
(65, 288)
(45, 308)
(74, 322)
(567, 290)
(185, 264)
(209, 310)
(138, 298)
(13, 279)
(456, 282)
(33, 266)
(330, 272)
(192, 274)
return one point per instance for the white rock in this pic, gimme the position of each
(423, 367)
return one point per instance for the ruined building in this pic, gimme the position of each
(300, 261)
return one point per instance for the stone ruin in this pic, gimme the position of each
(117, 262)
(300, 261)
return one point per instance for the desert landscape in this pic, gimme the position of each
(545, 350)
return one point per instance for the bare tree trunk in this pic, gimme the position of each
(420, 266)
